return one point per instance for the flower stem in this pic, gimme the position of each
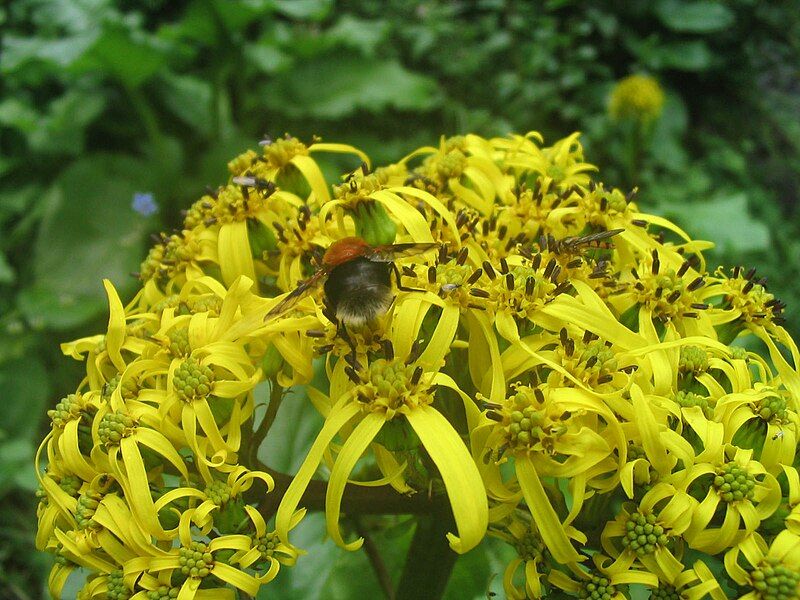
(430, 559)
(374, 557)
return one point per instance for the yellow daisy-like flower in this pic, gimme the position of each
(742, 487)
(767, 571)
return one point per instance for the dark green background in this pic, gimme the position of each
(101, 99)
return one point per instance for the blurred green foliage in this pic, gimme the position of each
(103, 99)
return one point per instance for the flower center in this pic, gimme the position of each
(774, 581)
(597, 587)
(86, 507)
(68, 409)
(113, 427)
(116, 586)
(195, 560)
(530, 422)
(529, 547)
(389, 385)
(218, 492)
(772, 408)
(193, 380)
(733, 483)
(643, 534)
(693, 359)
(689, 399)
(267, 545)
(163, 593)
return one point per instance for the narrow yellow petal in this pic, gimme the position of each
(545, 517)
(316, 180)
(433, 356)
(235, 256)
(340, 414)
(459, 473)
(116, 326)
(355, 446)
(409, 217)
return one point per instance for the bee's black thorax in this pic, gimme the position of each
(359, 290)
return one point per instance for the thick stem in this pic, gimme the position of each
(430, 559)
(381, 500)
(375, 560)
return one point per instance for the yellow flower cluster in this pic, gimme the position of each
(637, 97)
(559, 367)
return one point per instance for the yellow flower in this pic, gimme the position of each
(769, 571)
(637, 96)
(649, 534)
(740, 486)
(394, 390)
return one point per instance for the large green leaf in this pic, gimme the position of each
(314, 10)
(725, 220)
(702, 16)
(131, 57)
(89, 231)
(334, 86)
(25, 388)
(188, 98)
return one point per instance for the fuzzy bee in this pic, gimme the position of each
(357, 280)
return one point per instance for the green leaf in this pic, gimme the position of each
(62, 130)
(19, 51)
(329, 573)
(361, 34)
(267, 58)
(334, 86)
(131, 57)
(18, 115)
(725, 220)
(16, 470)
(703, 16)
(7, 274)
(188, 98)
(314, 10)
(89, 231)
(683, 56)
(26, 389)
(480, 571)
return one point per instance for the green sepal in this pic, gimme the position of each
(272, 362)
(221, 408)
(373, 223)
(261, 238)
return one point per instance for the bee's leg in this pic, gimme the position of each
(352, 358)
(400, 285)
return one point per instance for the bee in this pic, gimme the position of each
(357, 281)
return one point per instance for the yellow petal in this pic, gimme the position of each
(409, 217)
(235, 256)
(545, 517)
(116, 326)
(459, 473)
(355, 446)
(316, 180)
(340, 414)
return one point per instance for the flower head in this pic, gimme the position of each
(557, 368)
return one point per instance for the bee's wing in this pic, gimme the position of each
(392, 252)
(297, 294)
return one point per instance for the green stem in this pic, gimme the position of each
(148, 119)
(375, 560)
(430, 559)
(276, 394)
